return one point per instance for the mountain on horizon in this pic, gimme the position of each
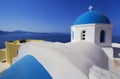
(21, 32)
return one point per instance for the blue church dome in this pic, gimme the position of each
(92, 17)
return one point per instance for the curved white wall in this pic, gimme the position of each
(66, 61)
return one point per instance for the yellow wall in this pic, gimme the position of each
(34, 40)
(2, 55)
(12, 49)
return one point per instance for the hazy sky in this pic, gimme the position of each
(52, 15)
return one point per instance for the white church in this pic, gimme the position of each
(93, 27)
(89, 55)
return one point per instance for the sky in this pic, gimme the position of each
(53, 15)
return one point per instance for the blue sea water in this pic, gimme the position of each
(116, 39)
(54, 37)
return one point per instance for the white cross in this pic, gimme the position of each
(90, 8)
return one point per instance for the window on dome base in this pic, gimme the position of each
(72, 33)
(102, 36)
(83, 35)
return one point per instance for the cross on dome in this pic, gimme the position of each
(90, 8)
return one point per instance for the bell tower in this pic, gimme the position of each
(93, 27)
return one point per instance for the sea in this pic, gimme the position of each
(53, 37)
